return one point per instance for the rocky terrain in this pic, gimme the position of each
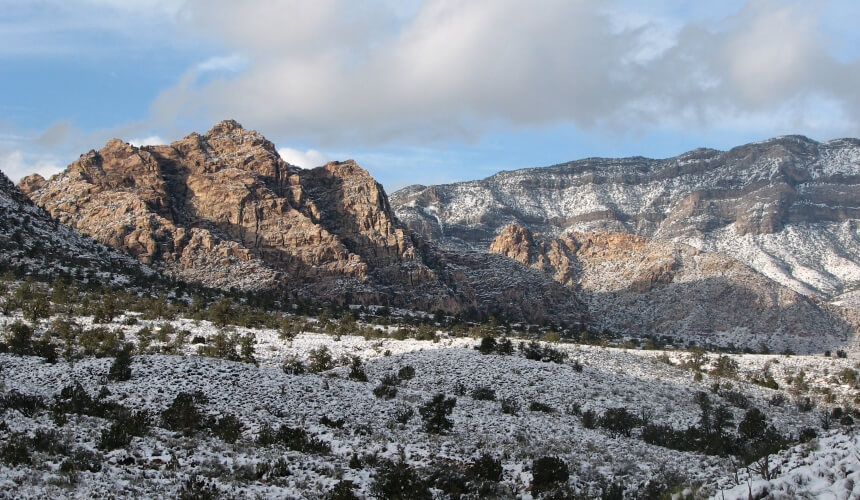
(642, 286)
(35, 244)
(224, 210)
(749, 242)
(788, 207)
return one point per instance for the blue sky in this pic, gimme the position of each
(425, 91)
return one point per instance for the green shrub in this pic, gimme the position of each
(484, 394)
(228, 428)
(486, 468)
(406, 373)
(435, 413)
(398, 481)
(320, 360)
(547, 472)
(120, 370)
(183, 414)
(198, 488)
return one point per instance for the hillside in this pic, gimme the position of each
(786, 207)
(266, 429)
(223, 210)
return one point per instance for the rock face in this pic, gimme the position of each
(223, 209)
(34, 243)
(788, 207)
(641, 286)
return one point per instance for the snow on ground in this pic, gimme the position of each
(157, 464)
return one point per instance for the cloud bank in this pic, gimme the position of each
(331, 72)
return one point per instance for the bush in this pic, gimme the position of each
(182, 414)
(342, 491)
(320, 360)
(120, 370)
(618, 421)
(385, 391)
(228, 428)
(121, 431)
(399, 481)
(406, 373)
(20, 339)
(297, 439)
(334, 424)
(547, 472)
(486, 468)
(16, 450)
(510, 406)
(267, 471)
(541, 407)
(487, 345)
(484, 394)
(534, 351)
(435, 413)
(82, 460)
(725, 367)
(356, 371)
(25, 404)
(589, 419)
(198, 488)
(292, 365)
(403, 414)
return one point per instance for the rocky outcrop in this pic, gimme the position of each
(640, 286)
(788, 207)
(35, 244)
(223, 209)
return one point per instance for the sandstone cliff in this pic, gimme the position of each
(224, 210)
(641, 286)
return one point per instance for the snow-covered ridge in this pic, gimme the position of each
(788, 207)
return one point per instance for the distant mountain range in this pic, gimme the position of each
(756, 245)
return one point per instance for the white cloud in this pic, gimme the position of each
(230, 63)
(17, 164)
(330, 72)
(152, 140)
(305, 159)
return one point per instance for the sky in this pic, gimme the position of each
(425, 91)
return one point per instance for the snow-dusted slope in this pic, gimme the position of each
(788, 207)
(33, 242)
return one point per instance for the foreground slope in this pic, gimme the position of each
(224, 210)
(341, 430)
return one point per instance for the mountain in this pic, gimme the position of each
(773, 227)
(224, 210)
(35, 244)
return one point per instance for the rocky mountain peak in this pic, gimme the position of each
(223, 209)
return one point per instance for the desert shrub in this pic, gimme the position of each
(356, 371)
(320, 360)
(222, 345)
(16, 450)
(510, 406)
(82, 459)
(48, 441)
(342, 491)
(406, 373)
(435, 413)
(534, 351)
(841, 353)
(198, 488)
(19, 339)
(385, 391)
(725, 366)
(484, 394)
(576, 365)
(541, 407)
(547, 472)
(121, 431)
(183, 414)
(777, 399)
(589, 419)
(399, 481)
(487, 345)
(267, 471)
(120, 370)
(292, 365)
(228, 428)
(246, 349)
(667, 437)
(486, 468)
(736, 398)
(297, 439)
(403, 414)
(618, 421)
(330, 422)
(26, 404)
